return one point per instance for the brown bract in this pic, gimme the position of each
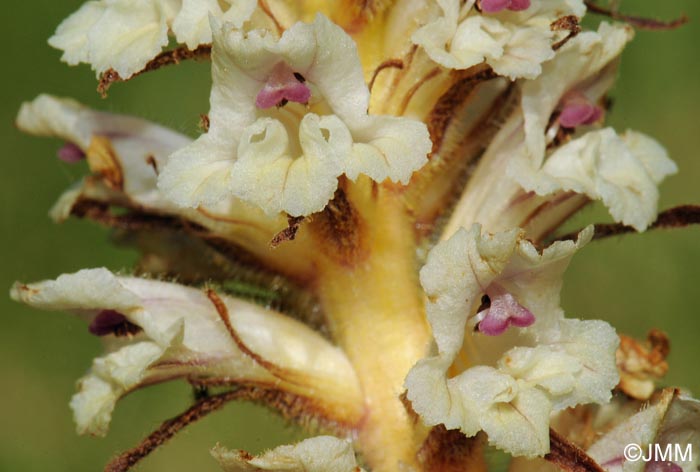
(567, 456)
(451, 451)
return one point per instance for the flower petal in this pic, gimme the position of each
(388, 148)
(622, 171)
(267, 175)
(611, 168)
(191, 25)
(587, 61)
(125, 35)
(514, 43)
(572, 362)
(72, 34)
(520, 426)
(128, 34)
(122, 148)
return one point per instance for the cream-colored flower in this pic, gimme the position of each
(191, 25)
(288, 117)
(528, 178)
(126, 151)
(156, 331)
(125, 34)
(318, 454)
(621, 170)
(125, 155)
(503, 381)
(513, 41)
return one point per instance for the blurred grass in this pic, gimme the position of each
(637, 282)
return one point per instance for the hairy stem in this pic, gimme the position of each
(127, 459)
(637, 21)
(676, 217)
(166, 58)
(369, 289)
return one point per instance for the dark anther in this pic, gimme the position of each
(485, 305)
(608, 103)
(112, 322)
(200, 392)
(282, 103)
(299, 77)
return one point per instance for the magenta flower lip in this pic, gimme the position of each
(281, 87)
(495, 6)
(504, 311)
(112, 322)
(70, 153)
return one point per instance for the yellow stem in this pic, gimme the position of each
(368, 285)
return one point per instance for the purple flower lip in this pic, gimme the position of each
(495, 6)
(281, 87)
(70, 153)
(504, 311)
(578, 110)
(112, 322)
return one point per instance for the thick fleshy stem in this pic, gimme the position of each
(283, 85)
(495, 6)
(503, 312)
(578, 110)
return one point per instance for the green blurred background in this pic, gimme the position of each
(637, 281)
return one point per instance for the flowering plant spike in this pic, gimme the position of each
(363, 237)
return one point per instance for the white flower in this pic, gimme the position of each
(288, 117)
(122, 149)
(125, 34)
(622, 171)
(191, 25)
(503, 381)
(527, 178)
(156, 331)
(513, 41)
(317, 454)
(125, 154)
